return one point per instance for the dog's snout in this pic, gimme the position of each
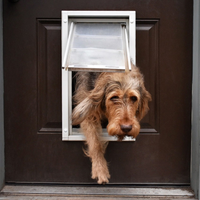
(126, 128)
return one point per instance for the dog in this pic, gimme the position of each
(121, 98)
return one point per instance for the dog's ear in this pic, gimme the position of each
(81, 111)
(92, 104)
(143, 104)
(145, 96)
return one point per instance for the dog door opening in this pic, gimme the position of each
(94, 41)
(76, 128)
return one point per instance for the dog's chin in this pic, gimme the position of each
(120, 137)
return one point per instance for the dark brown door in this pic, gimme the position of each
(32, 75)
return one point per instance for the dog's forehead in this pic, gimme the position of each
(121, 81)
(123, 93)
(128, 81)
(122, 90)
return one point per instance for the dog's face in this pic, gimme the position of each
(121, 109)
(121, 98)
(122, 102)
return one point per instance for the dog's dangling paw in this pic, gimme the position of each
(101, 174)
(102, 178)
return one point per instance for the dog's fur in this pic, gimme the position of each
(121, 98)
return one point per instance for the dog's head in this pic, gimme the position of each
(121, 98)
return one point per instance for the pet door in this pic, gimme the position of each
(94, 41)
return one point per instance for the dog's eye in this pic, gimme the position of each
(134, 98)
(114, 98)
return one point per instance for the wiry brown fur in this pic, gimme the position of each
(121, 98)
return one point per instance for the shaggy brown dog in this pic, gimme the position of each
(121, 98)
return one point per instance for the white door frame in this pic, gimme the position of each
(195, 134)
(2, 173)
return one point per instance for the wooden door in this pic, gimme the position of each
(32, 74)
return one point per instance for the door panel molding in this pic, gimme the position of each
(147, 42)
(49, 73)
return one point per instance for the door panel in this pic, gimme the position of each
(147, 41)
(49, 75)
(32, 75)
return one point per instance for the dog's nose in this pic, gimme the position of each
(126, 128)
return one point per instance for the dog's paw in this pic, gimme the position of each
(101, 178)
(101, 174)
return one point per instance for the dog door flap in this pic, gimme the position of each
(97, 46)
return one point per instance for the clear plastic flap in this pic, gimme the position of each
(97, 45)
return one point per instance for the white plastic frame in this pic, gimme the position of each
(128, 17)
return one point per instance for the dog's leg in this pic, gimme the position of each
(96, 149)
